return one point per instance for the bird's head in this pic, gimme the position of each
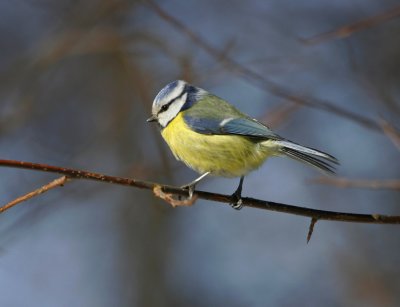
(175, 97)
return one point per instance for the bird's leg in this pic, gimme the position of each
(238, 196)
(191, 185)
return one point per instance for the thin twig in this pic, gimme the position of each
(51, 185)
(347, 30)
(220, 198)
(389, 184)
(311, 229)
(259, 79)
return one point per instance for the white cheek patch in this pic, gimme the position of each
(165, 117)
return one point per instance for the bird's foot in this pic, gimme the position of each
(190, 188)
(238, 202)
(191, 185)
(237, 196)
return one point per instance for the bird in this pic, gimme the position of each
(214, 138)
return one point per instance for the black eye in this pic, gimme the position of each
(164, 107)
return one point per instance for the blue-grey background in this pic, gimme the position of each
(77, 80)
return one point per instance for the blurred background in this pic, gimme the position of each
(77, 80)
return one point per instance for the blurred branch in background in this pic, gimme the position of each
(279, 115)
(359, 183)
(388, 184)
(347, 30)
(261, 80)
(392, 133)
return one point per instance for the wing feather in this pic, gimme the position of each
(213, 115)
(236, 126)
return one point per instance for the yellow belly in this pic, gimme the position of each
(221, 155)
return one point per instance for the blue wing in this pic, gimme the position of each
(236, 126)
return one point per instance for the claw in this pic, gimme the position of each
(238, 204)
(190, 189)
(191, 185)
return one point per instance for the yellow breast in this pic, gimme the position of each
(221, 155)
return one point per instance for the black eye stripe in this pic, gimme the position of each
(167, 105)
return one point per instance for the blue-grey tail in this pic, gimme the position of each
(310, 156)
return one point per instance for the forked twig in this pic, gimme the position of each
(51, 185)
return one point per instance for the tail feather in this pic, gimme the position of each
(313, 157)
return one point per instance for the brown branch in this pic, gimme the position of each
(347, 30)
(259, 79)
(247, 201)
(389, 184)
(51, 185)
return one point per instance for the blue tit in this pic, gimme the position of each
(214, 138)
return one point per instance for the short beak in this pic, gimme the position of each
(153, 118)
